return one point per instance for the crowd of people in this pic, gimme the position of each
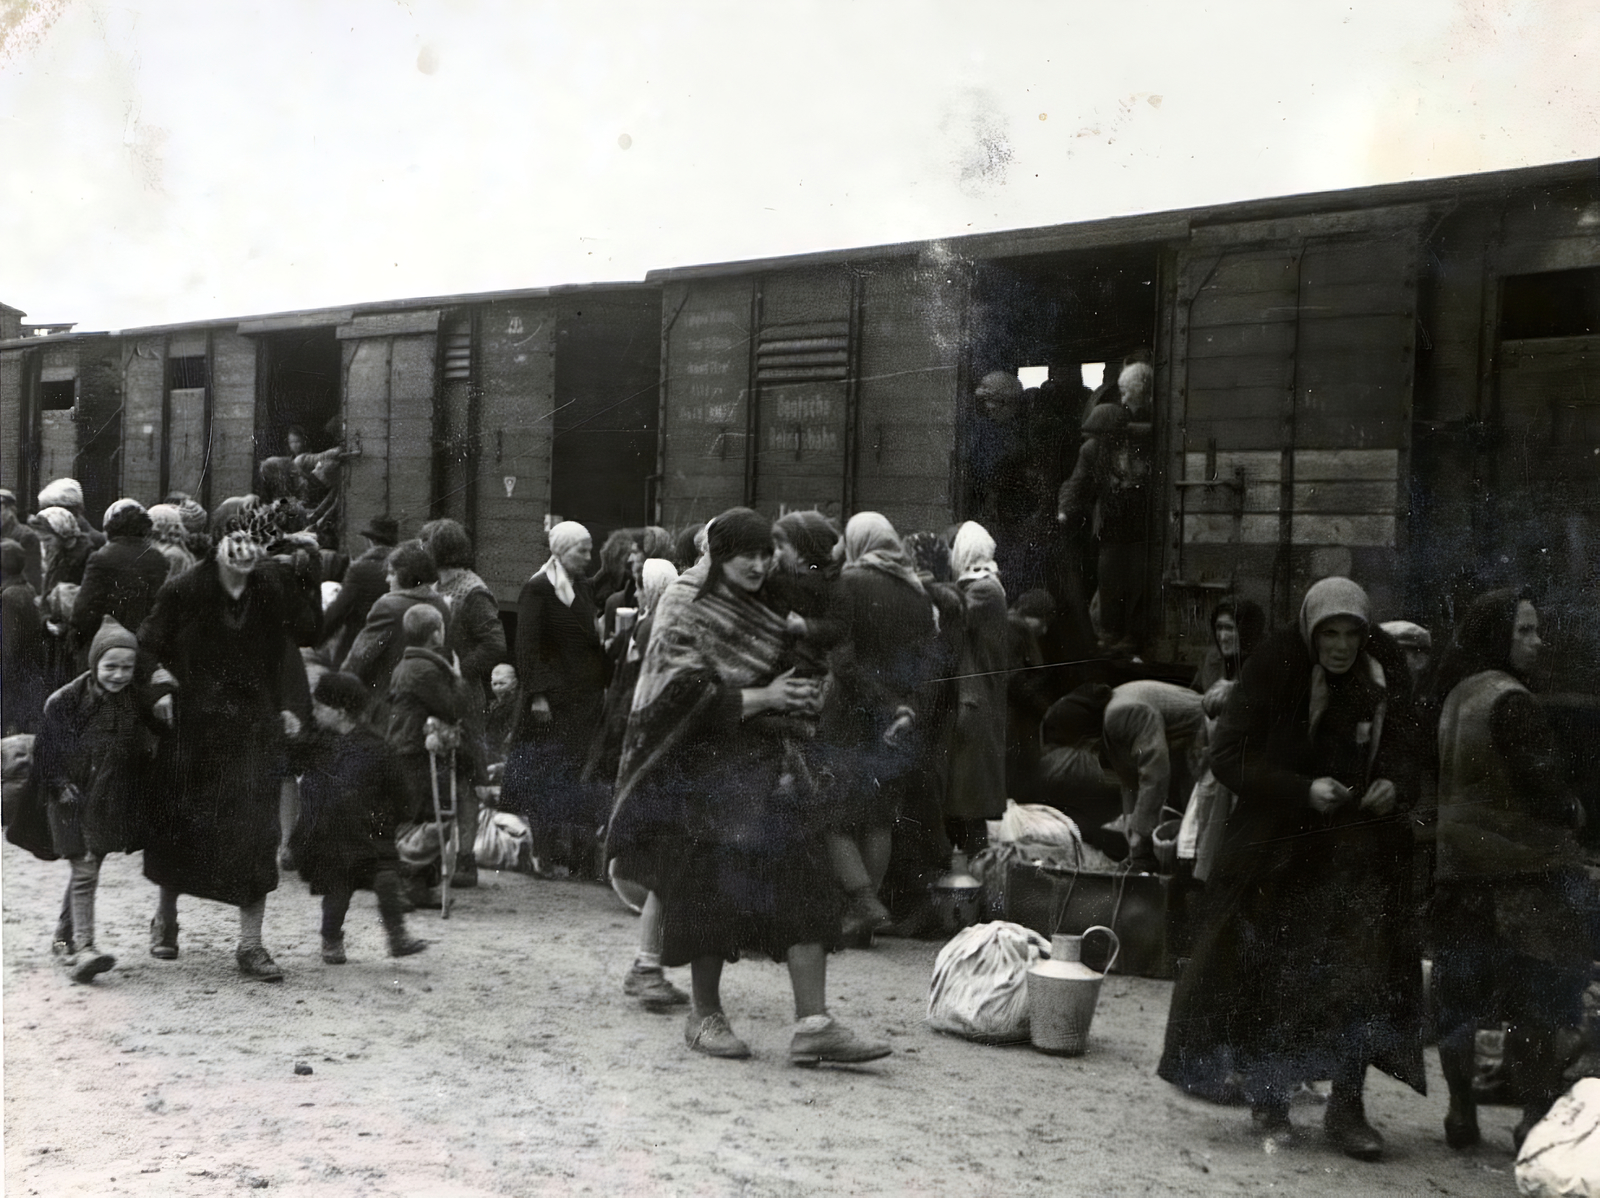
(776, 734)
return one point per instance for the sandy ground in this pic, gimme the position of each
(506, 1061)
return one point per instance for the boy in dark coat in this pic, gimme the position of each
(352, 798)
(426, 686)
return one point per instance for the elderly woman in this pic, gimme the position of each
(875, 719)
(226, 635)
(977, 790)
(1310, 966)
(714, 807)
(561, 666)
(1509, 908)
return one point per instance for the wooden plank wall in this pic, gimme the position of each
(705, 389)
(12, 435)
(910, 342)
(58, 430)
(144, 381)
(233, 420)
(1299, 361)
(186, 426)
(513, 437)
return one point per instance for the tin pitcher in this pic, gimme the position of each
(1062, 993)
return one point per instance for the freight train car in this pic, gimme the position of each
(1400, 382)
(496, 409)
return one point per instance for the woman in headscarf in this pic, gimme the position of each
(977, 789)
(714, 808)
(1511, 897)
(122, 576)
(561, 667)
(226, 636)
(874, 722)
(171, 541)
(65, 548)
(1237, 626)
(1309, 965)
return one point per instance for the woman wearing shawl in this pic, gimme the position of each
(873, 723)
(562, 669)
(1511, 894)
(714, 808)
(225, 634)
(978, 756)
(1310, 966)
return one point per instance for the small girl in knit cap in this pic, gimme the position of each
(95, 740)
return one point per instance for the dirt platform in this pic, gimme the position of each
(506, 1061)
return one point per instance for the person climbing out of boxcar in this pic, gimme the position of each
(477, 639)
(977, 789)
(12, 528)
(1107, 496)
(1513, 914)
(1309, 963)
(121, 578)
(875, 718)
(715, 808)
(232, 688)
(561, 666)
(353, 798)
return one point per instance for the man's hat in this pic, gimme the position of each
(382, 530)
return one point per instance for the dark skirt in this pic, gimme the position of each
(1307, 966)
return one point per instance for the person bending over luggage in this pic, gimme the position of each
(352, 798)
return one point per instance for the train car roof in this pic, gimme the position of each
(336, 314)
(1145, 228)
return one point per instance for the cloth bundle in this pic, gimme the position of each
(980, 982)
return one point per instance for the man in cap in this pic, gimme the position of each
(365, 580)
(13, 529)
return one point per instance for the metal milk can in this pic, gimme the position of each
(957, 896)
(1062, 992)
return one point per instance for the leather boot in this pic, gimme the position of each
(1346, 1124)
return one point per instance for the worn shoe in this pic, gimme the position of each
(862, 917)
(87, 964)
(257, 965)
(333, 951)
(163, 940)
(1271, 1123)
(1461, 1128)
(823, 1039)
(1347, 1130)
(712, 1035)
(403, 944)
(651, 988)
(466, 875)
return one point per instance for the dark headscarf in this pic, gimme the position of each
(1482, 640)
(738, 530)
(1251, 623)
(813, 536)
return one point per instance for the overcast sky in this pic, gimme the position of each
(203, 158)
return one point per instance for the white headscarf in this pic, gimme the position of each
(62, 492)
(562, 538)
(658, 574)
(972, 555)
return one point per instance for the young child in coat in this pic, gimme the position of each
(352, 799)
(94, 743)
(426, 687)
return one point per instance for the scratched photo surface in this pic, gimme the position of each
(1333, 276)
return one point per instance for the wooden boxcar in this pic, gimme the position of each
(1399, 382)
(495, 409)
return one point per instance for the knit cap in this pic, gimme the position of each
(110, 635)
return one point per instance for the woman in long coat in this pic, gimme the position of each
(226, 633)
(561, 667)
(977, 790)
(1309, 965)
(715, 807)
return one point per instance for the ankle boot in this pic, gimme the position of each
(466, 875)
(1457, 1060)
(1347, 1127)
